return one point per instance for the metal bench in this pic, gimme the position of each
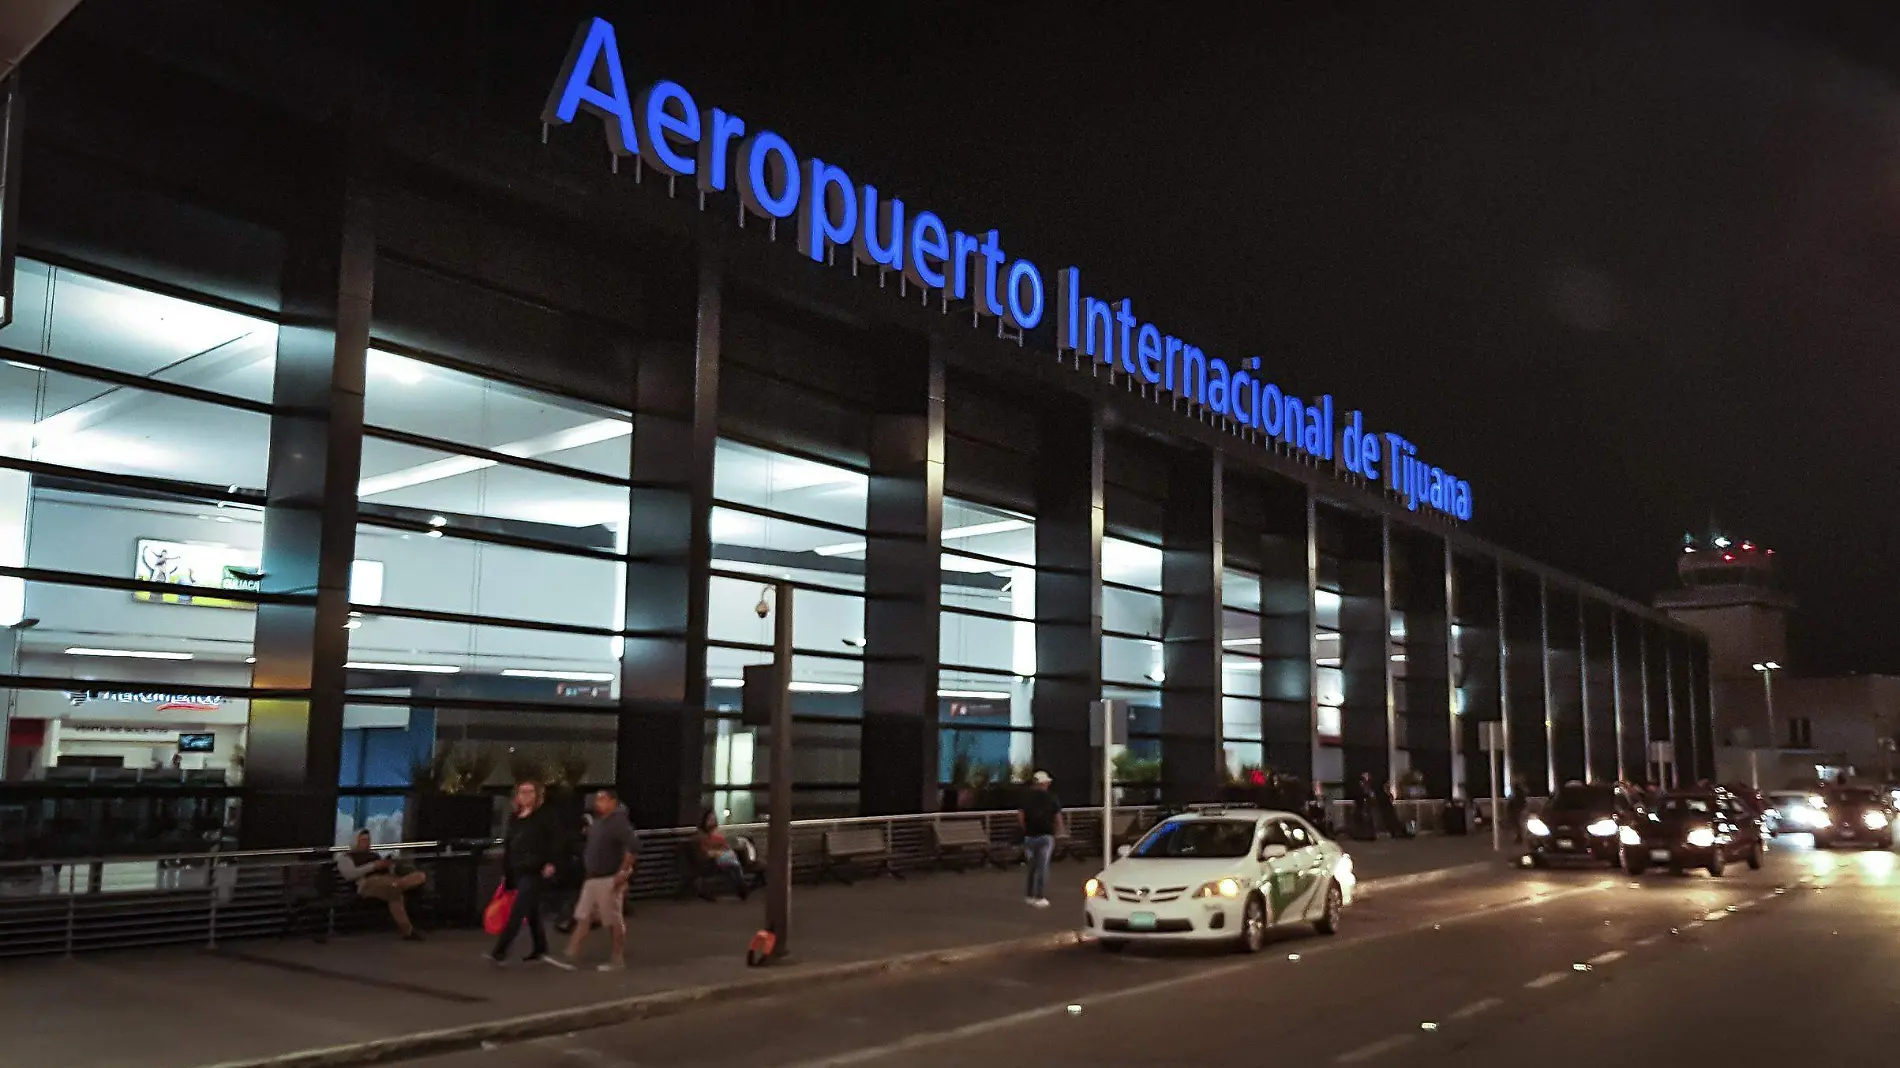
(962, 844)
(850, 848)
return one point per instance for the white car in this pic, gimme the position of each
(1217, 876)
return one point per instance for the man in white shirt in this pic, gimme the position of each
(375, 876)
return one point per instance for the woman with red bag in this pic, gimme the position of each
(530, 846)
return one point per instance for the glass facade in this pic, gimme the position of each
(312, 512)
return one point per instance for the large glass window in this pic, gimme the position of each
(134, 443)
(987, 644)
(798, 520)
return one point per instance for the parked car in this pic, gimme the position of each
(1698, 829)
(1583, 823)
(1220, 875)
(1797, 811)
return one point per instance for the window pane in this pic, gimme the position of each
(1240, 630)
(975, 641)
(1330, 684)
(1131, 612)
(422, 398)
(107, 532)
(1240, 718)
(987, 531)
(76, 422)
(972, 583)
(821, 686)
(1240, 589)
(408, 476)
(74, 316)
(1131, 564)
(429, 655)
(1131, 660)
(821, 622)
(743, 541)
(449, 574)
(793, 485)
(1326, 608)
(135, 636)
(1240, 675)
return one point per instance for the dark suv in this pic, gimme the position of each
(1584, 823)
(1698, 829)
(1856, 815)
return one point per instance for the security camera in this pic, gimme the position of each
(764, 607)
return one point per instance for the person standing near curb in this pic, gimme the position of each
(1041, 817)
(607, 860)
(530, 845)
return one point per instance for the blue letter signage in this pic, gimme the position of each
(832, 212)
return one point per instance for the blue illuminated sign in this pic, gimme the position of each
(672, 134)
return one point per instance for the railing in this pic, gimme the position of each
(77, 905)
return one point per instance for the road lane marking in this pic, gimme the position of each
(1713, 916)
(1650, 941)
(1739, 905)
(895, 1050)
(1769, 896)
(1475, 1008)
(1692, 925)
(1367, 1052)
(1547, 979)
(1610, 957)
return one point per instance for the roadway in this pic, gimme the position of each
(1562, 968)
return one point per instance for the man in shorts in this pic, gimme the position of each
(607, 860)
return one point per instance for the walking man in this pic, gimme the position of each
(607, 864)
(1041, 818)
(530, 846)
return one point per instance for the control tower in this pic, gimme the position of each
(1729, 592)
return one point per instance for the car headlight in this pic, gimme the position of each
(1810, 817)
(1874, 820)
(1701, 838)
(1629, 837)
(1536, 827)
(1094, 888)
(1228, 887)
(1816, 801)
(1602, 828)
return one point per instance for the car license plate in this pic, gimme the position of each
(1659, 854)
(1141, 921)
(1564, 843)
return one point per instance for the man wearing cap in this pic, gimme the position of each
(1041, 817)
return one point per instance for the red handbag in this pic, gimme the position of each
(495, 916)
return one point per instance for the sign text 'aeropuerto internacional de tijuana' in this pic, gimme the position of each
(671, 133)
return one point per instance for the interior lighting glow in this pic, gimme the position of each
(421, 669)
(565, 676)
(129, 654)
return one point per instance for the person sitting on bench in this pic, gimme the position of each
(712, 846)
(375, 876)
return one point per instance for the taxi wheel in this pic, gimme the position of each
(1328, 922)
(1754, 857)
(1717, 863)
(1253, 925)
(1634, 862)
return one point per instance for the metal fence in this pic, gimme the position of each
(77, 905)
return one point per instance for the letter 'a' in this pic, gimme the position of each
(574, 88)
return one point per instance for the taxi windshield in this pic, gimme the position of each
(1699, 805)
(1195, 839)
(1855, 795)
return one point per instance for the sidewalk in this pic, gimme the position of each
(255, 999)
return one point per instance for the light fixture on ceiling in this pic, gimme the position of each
(1157, 675)
(1398, 658)
(420, 669)
(1241, 664)
(1327, 661)
(975, 695)
(1240, 641)
(563, 676)
(129, 654)
(822, 687)
(725, 684)
(573, 437)
(974, 530)
(855, 643)
(250, 660)
(438, 521)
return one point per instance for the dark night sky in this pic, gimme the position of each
(1620, 267)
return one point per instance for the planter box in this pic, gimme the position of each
(439, 817)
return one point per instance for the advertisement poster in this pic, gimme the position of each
(222, 567)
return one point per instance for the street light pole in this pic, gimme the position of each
(1768, 669)
(778, 834)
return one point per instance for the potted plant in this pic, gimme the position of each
(1137, 778)
(1412, 784)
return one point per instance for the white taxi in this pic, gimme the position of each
(1214, 876)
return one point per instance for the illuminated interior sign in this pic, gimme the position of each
(209, 565)
(671, 133)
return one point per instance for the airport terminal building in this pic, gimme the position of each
(361, 405)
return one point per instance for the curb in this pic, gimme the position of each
(669, 1002)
